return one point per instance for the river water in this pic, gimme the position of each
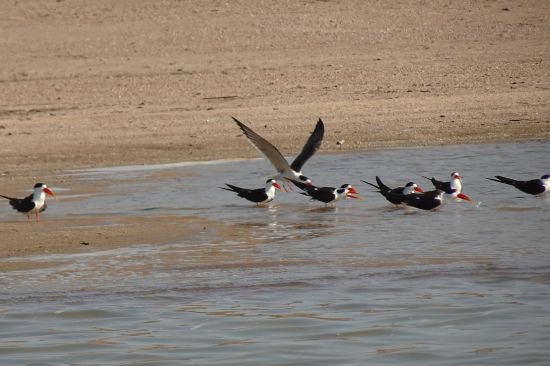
(362, 283)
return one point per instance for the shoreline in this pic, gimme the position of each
(85, 233)
(121, 90)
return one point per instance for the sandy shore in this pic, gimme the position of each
(138, 82)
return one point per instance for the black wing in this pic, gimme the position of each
(423, 201)
(312, 145)
(22, 204)
(253, 195)
(323, 194)
(444, 186)
(395, 197)
(383, 187)
(533, 186)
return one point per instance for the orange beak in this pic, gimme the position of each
(418, 189)
(277, 186)
(464, 197)
(352, 193)
(48, 191)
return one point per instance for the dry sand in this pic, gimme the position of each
(116, 82)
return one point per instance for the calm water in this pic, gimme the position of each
(363, 283)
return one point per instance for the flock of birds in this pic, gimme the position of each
(409, 195)
(291, 174)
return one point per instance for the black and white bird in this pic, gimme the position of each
(451, 188)
(33, 203)
(328, 195)
(285, 171)
(396, 195)
(535, 187)
(259, 196)
(430, 200)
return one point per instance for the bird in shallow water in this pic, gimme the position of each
(259, 196)
(455, 184)
(536, 187)
(395, 195)
(286, 172)
(33, 203)
(328, 195)
(452, 188)
(431, 200)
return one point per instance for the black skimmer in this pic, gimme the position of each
(396, 195)
(285, 171)
(535, 187)
(33, 203)
(259, 196)
(430, 200)
(328, 195)
(452, 188)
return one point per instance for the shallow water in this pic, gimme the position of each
(304, 285)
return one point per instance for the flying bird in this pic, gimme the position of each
(33, 203)
(535, 187)
(286, 172)
(396, 195)
(259, 196)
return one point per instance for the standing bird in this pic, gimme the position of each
(395, 195)
(430, 200)
(34, 203)
(328, 195)
(535, 187)
(284, 170)
(259, 196)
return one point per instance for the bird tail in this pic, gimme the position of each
(383, 188)
(6, 197)
(231, 188)
(370, 184)
(502, 179)
(300, 185)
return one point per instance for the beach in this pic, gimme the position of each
(111, 83)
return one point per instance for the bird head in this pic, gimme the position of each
(349, 191)
(273, 183)
(41, 187)
(412, 187)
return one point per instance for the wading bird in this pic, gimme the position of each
(33, 203)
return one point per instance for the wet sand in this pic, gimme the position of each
(133, 82)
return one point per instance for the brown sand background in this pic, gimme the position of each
(117, 82)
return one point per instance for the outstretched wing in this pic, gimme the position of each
(312, 145)
(265, 147)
